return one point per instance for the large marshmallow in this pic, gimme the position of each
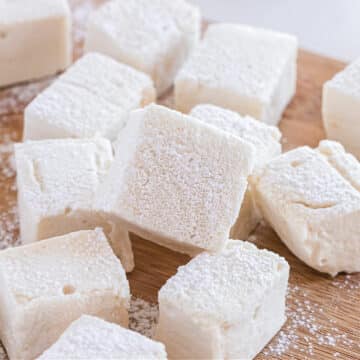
(35, 39)
(312, 200)
(91, 98)
(57, 180)
(341, 108)
(47, 285)
(177, 181)
(152, 36)
(248, 70)
(266, 141)
(92, 338)
(223, 306)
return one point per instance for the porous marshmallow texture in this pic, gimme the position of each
(176, 180)
(312, 200)
(153, 36)
(223, 306)
(91, 98)
(248, 70)
(47, 285)
(35, 40)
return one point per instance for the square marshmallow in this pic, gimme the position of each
(35, 39)
(223, 306)
(248, 70)
(92, 338)
(47, 285)
(312, 200)
(152, 36)
(91, 98)
(177, 181)
(57, 180)
(341, 108)
(266, 141)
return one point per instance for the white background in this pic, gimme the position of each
(328, 27)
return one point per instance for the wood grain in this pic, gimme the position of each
(323, 313)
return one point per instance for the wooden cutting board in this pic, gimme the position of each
(323, 313)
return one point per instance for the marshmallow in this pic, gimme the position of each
(35, 39)
(47, 285)
(248, 70)
(91, 98)
(223, 306)
(341, 108)
(312, 200)
(153, 36)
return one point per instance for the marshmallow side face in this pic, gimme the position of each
(91, 98)
(35, 40)
(49, 284)
(341, 108)
(165, 33)
(311, 200)
(171, 166)
(266, 141)
(248, 70)
(93, 338)
(57, 180)
(214, 305)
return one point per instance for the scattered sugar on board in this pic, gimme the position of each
(143, 316)
(303, 330)
(9, 222)
(14, 99)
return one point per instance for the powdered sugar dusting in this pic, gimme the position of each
(143, 316)
(304, 330)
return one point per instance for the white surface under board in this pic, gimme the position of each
(328, 27)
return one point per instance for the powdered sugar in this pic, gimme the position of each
(143, 316)
(305, 330)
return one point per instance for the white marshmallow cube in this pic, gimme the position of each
(223, 306)
(47, 285)
(266, 141)
(152, 36)
(92, 338)
(341, 108)
(91, 98)
(177, 181)
(248, 70)
(57, 180)
(35, 39)
(312, 200)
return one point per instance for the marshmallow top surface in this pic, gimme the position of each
(348, 80)
(249, 60)
(146, 28)
(265, 138)
(93, 338)
(303, 181)
(61, 173)
(18, 11)
(91, 97)
(225, 286)
(77, 263)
